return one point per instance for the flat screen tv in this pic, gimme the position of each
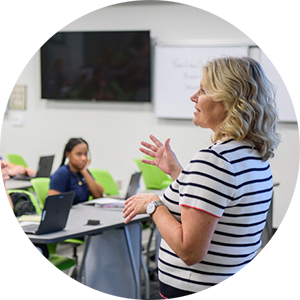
(97, 66)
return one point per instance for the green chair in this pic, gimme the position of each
(104, 178)
(160, 175)
(41, 187)
(16, 160)
(154, 178)
(32, 198)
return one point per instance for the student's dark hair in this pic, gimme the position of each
(70, 145)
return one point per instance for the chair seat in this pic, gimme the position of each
(61, 262)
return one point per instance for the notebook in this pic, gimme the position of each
(44, 169)
(119, 201)
(54, 215)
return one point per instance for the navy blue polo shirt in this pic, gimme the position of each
(64, 180)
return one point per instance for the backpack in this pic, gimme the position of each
(22, 204)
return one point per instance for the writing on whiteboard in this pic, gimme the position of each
(186, 64)
(178, 71)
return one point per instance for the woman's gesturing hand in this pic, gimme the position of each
(164, 157)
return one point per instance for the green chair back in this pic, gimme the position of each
(32, 198)
(16, 160)
(154, 178)
(104, 178)
(61, 262)
(41, 187)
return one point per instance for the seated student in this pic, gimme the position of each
(6, 206)
(75, 175)
(17, 169)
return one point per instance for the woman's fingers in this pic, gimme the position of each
(156, 141)
(149, 146)
(129, 211)
(147, 152)
(167, 144)
(149, 162)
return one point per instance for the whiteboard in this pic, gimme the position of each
(177, 75)
(282, 67)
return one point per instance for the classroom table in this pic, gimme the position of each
(112, 259)
(12, 184)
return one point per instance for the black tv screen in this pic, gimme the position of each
(105, 65)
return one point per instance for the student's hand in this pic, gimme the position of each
(164, 157)
(136, 205)
(14, 170)
(30, 172)
(4, 170)
(84, 169)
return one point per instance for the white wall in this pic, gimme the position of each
(199, 21)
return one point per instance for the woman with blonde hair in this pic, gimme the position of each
(211, 217)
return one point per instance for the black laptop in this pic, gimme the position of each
(44, 169)
(54, 216)
(117, 201)
(133, 185)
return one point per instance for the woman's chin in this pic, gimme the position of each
(196, 122)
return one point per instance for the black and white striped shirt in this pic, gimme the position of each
(230, 181)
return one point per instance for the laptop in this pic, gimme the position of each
(44, 169)
(54, 215)
(133, 185)
(117, 201)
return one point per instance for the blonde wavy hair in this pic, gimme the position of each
(241, 84)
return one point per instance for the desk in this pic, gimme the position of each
(12, 184)
(112, 258)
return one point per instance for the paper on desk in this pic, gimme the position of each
(105, 201)
(30, 218)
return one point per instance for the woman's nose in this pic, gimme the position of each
(193, 98)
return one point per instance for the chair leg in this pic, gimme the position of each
(75, 257)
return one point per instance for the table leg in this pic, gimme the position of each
(133, 265)
(86, 245)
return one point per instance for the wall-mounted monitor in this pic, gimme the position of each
(97, 66)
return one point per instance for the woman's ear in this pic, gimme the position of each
(67, 154)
